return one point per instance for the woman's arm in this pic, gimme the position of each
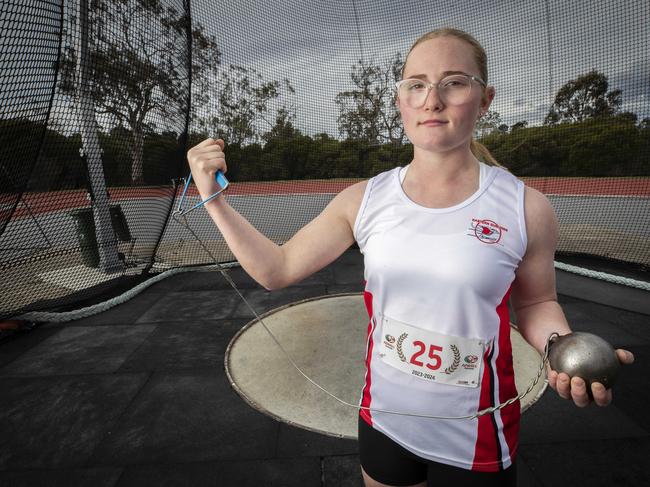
(313, 247)
(534, 298)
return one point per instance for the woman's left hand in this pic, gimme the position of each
(575, 388)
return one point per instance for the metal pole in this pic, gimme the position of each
(109, 261)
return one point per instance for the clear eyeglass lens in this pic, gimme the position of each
(453, 90)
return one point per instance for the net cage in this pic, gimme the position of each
(101, 99)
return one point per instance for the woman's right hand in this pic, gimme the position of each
(273, 266)
(205, 159)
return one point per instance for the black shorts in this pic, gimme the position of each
(389, 463)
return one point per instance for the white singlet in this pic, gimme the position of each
(437, 284)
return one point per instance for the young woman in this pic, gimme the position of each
(447, 242)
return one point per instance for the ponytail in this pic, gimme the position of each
(483, 154)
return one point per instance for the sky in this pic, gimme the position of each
(533, 47)
(29, 29)
(314, 45)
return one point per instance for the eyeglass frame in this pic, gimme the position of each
(430, 85)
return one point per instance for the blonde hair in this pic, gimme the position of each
(478, 150)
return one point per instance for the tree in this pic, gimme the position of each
(283, 128)
(488, 123)
(368, 111)
(140, 76)
(583, 98)
(243, 104)
(519, 125)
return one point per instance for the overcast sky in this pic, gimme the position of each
(314, 45)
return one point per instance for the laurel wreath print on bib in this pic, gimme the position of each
(431, 356)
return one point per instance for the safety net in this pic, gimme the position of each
(101, 99)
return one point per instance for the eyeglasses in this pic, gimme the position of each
(452, 90)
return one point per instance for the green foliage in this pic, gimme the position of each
(583, 98)
(25, 165)
(519, 125)
(612, 146)
(368, 110)
(488, 123)
(243, 101)
(604, 146)
(139, 78)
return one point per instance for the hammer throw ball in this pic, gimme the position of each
(587, 356)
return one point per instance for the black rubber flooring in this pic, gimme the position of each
(138, 396)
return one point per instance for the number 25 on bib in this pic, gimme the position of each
(431, 356)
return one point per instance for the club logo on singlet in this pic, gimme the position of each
(487, 231)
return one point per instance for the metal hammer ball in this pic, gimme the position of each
(587, 356)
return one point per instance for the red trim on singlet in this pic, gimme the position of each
(485, 439)
(487, 452)
(366, 397)
(510, 415)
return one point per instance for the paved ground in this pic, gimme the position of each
(137, 395)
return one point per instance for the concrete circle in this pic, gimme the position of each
(326, 338)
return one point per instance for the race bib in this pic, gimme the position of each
(431, 356)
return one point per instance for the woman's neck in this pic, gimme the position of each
(441, 168)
